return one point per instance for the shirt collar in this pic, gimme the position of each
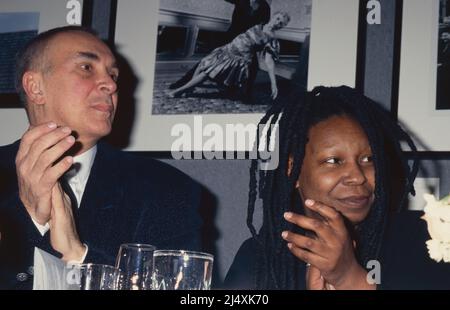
(82, 165)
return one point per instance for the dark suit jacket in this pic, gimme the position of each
(405, 263)
(128, 199)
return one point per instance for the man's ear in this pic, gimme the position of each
(33, 86)
(289, 170)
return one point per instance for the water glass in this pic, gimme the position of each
(182, 270)
(135, 262)
(97, 277)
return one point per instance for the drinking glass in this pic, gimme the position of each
(97, 277)
(135, 262)
(182, 270)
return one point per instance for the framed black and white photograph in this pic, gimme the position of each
(165, 41)
(424, 84)
(222, 48)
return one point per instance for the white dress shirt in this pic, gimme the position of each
(77, 178)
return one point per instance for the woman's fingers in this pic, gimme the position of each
(330, 214)
(319, 227)
(304, 242)
(307, 256)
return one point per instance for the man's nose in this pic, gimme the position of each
(108, 84)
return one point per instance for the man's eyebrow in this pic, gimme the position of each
(89, 55)
(93, 56)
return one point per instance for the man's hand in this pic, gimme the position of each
(330, 252)
(37, 170)
(63, 234)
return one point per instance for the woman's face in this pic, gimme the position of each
(278, 21)
(337, 169)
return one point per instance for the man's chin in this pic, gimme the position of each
(99, 133)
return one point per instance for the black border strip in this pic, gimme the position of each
(10, 101)
(361, 47)
(422, 155)
(112, 22)
(168, 155)
(153, 154)
(397, 57)
(430, 155)
(88, 8)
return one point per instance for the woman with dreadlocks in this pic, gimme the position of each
(328, 206)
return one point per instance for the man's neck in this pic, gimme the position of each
(80, 147)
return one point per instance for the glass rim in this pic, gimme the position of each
(89, 265)
(184, 252)
(140, 246)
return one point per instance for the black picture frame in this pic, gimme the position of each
(10, 101)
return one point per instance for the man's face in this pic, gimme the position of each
(337, 169)
(80, 88)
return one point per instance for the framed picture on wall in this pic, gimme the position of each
(20, 21)
(424, 96)
(226, 43)
(194, 65)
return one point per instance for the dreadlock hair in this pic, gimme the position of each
(278, 268)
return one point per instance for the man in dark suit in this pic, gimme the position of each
(246, 14)
(64, 191)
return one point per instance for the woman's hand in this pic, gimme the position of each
(314, 279)
(274, 91)
(331, 252)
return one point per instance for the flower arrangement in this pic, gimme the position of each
(437, 216)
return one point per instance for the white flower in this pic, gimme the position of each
(434, 249)
(446, 251)
(437, 216)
